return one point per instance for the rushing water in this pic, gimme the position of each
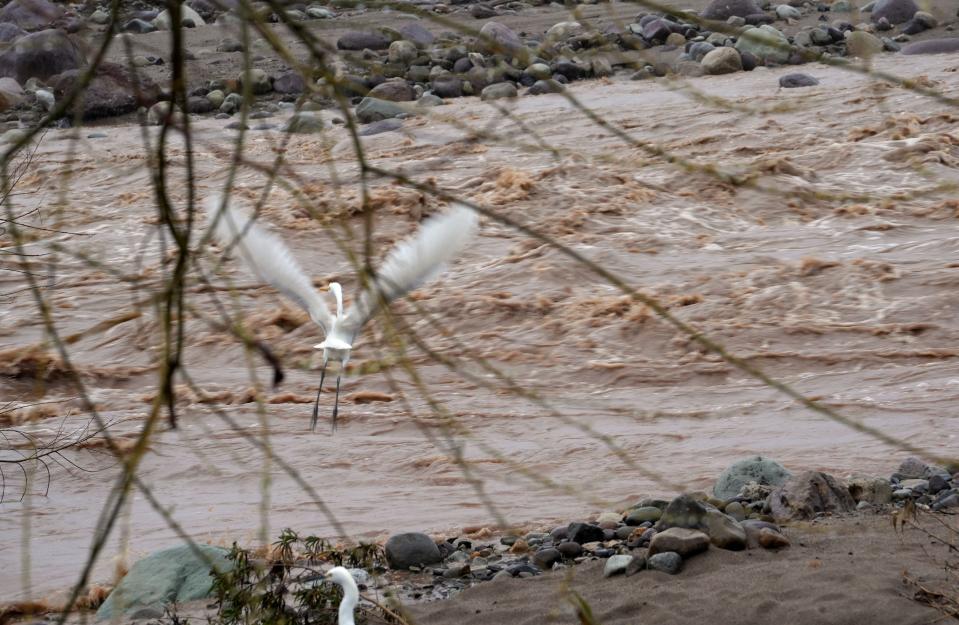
(852, 301)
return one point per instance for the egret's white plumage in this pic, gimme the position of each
(351, 594)
(408, 265)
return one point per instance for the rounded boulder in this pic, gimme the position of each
(411, 549)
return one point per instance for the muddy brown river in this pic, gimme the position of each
(834, 270)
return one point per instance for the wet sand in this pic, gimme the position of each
(844, 292)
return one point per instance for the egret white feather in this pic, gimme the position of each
(409, 265)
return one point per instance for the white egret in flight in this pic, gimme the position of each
(408, 265)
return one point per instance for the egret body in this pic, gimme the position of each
(408, 265)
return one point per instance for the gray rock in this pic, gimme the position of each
(914, 468)
(259, 81)
(113, 91)
(172, 575)
(541, 87)
(685, 542)
(735, 510)
(724, 531)
(683, 511)
(430, 100)
(937, 483)
(158, 113)
(496, 38)
(11, 94)
(947, 502)
(915, 485)
(724, 9)
(793, 81)
(584, 533)
(459, 569)
(198, 105)
(752, 528)
(319, 13)
(638, 516)
(482, 11)
(841, 6)
(164, 20)
(289, 82)
(231, 103)
(40, 55)
(637, 564)
(758, 469)
(411, 549)
(809, 494)
(417, 33)
(394, 91)
(540, 71)
(403, 52)
(700, 49)
(358, 40)
(546, 558)
(786, 12)
(722, 61)
(896, 11)
(570, 549)
(99, 17)
(139, 27)
(215, 98)
(304, 123)
(230, 45)
(820, 37)
(447, 86)
(765, 43)
(377, 128)
(30, 14)
(770, 539)
(861, 44)
(373, 110)
(617, 564)
(872, 490)
(10, 32)
(499, 91)
(668, 562)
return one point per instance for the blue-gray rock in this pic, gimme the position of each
(937, 483)
(668, 562)
(173, 575)
(724, 9)
(617, 564)
(896, 11)
(810, 494)
(10, 32)
(947, 502)
(914, 468)
(230, 45)
(756, 469)
(40, 55)
(699, 49)
(30, 14)
(765, 43)
(411, 549)
(358, 40)
(793, 81)
(384, 125)
(584, 533)
(871, 490)
(417, 33)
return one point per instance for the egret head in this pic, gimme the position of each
(340, 575)
(351, 594)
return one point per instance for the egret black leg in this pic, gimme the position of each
(316, 405)
(336, 403)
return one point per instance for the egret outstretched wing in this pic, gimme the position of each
(412, 263)
(268, 257)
